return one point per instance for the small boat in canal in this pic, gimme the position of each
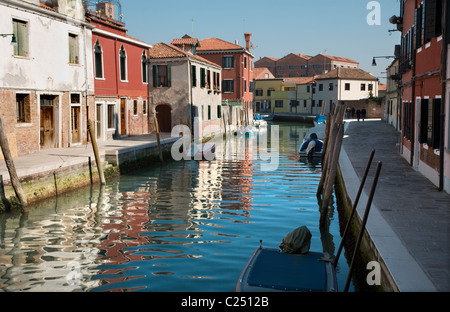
(259, 121)
(293, 268)
(311, 148)
(320, 119)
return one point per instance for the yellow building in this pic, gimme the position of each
(262, 94)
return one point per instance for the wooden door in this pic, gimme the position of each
(123, 118)
(98, 121)
(163, 114)
(46, 127)
(75, 119)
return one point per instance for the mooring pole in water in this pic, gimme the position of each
(158, 140)
(3, 196)
(97, 157)
(355, 204)
(363, 225)
(10, 165)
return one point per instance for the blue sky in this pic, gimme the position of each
(333, 27)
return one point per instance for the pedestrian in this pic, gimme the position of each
(363, 114)
(353, 112)
(358, 114)
(347, 112)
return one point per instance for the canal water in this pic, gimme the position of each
(182, 226)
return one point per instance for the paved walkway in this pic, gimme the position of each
(56, 158)
(409, 220)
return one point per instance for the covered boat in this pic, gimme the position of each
(292, 268)
(320, 119)
(311, 148)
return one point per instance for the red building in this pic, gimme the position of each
(237, 71)
(421, 88)
(121, 80)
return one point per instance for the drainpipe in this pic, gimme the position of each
(444, 91)
(413, 99)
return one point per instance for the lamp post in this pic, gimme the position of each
(374, 63)
(13, 39)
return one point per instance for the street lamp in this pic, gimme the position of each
(13, 39)
(374, 63)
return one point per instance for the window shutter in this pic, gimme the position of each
(155, 75)
(430, 19)
(194, 76)
(169, 75)
(423, 121)
(435, 140)
(231, 85)
(224, 62)
(202, 77)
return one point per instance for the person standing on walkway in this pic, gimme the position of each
(358, 114)
(347, 112)
(363, 114)
(353, 112)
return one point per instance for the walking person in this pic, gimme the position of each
(353, 112)
(358, 114)
(363, 114)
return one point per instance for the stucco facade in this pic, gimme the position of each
(45, 94)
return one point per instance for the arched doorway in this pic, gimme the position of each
(164, 116)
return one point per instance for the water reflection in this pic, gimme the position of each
(186, 226)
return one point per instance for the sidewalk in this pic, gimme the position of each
(409, 219)
(59, 158)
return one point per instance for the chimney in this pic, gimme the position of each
(248, 37)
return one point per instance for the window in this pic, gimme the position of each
(144, 68)
(258, 92)
(111, 116)
(23, 107)
(308, 89)
(304, 103)
(363, 87)
(228, 62)
(216, 81)
(123, 64)
(209, 112)
(135, 107)
(245, 62)
(330, 87)
(430, 111)
(73, 49)
(144, 107)
(219, 111)
(320, 103)
(245, 85)
(269, 92)
(194, 76)
(278, 103)
(162, 75)
(20, 30)
(98, 60)
(291, 67)
(347, 87)
(320, 87)
(370, 87)
(208, 79)
(228, 85)
(202, 77)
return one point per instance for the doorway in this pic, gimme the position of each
(163, 115)
(123, 118)
(98, 121)
(75, 120)
(47, 123)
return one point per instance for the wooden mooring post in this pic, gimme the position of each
(334, 135)
(97, 156)
(158, 140)
(11, 167)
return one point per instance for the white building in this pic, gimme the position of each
(46, 77)
(343, 85)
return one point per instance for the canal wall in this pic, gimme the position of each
(368, 251)
(54, 179)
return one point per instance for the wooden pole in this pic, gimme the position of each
(3, 196)
(97, 157)
(11, 167)
(158, 140)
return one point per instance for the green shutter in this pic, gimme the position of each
(436, 137)
(423, 121)
(155, 75)
(169, 75)
(194, 76)
(202, 78)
